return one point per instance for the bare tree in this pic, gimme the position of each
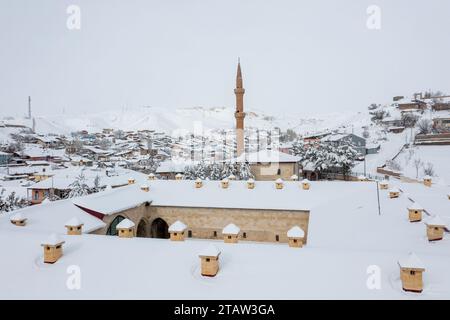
(425, 126)
(409, 120)
(428, 170)
(417, 164)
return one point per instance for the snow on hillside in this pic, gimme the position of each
(168, 120)
(438, 156)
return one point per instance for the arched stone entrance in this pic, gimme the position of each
(142, 229)
(112, 231)
(159, 229)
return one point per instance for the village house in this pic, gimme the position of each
(269, 165)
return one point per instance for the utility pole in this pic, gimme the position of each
(29, 107)
(378, 197)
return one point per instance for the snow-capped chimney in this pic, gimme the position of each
(296, 237)
(209, 258)
(279, 183)
(415, 212)
(306, 184)
(145, 188)
(125, 229)
(177, 230)
(428, 181)
(52, 248)
(384, 185)
(151, 176)
(250, 184)
(131, 181)
(198, 183)
(394, 193)
(411, 269)
(225, 183)
(231, 233)
(18, 219)
(435, 229)
(74, 227)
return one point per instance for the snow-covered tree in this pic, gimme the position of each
(11, 202)
(323, 156)
(79, 187)
(218, 171)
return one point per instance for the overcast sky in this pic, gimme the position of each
(306, 57)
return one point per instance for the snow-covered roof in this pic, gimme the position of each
(172, 166)
(177, 226)
(170, 265)
(210, 251)
(412, 261)
(279, 180)
(306, 181)
(237, 195)
(436, 221)
(394, 190)
(415, 206)
(74, 222)
(296, 232)
(125, 224)
(52, 240)
(231, 229)
(51, 217)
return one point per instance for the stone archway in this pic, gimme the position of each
(142, 229)
(159, 229)
(112, 231)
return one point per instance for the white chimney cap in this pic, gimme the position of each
(125, 224)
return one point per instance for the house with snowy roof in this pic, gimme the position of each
(269, 165)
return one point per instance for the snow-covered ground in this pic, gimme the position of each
(438, 156)
(346, 237)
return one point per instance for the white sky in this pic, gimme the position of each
(307, 57)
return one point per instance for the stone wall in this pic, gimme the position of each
(207, 223)
(269, 171)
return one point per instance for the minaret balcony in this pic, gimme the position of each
(239, 115)
(239, 91)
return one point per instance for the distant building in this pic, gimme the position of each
(359, 143)
(4, 158)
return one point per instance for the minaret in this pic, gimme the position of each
(239, 114)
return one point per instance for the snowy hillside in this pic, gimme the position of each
(160, 119)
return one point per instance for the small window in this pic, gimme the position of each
(190, 233)
(279, 172)
(122, 231)
(436, 228)
(412, 272)
(295, 240)
(229, 237)
(78, 228)
(244, 235)
(215, 234)
(174, 233)
(208, 259)
(277, 238)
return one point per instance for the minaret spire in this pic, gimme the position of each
(239, 114)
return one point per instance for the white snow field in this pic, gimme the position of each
(346, 236)
(438, 156)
